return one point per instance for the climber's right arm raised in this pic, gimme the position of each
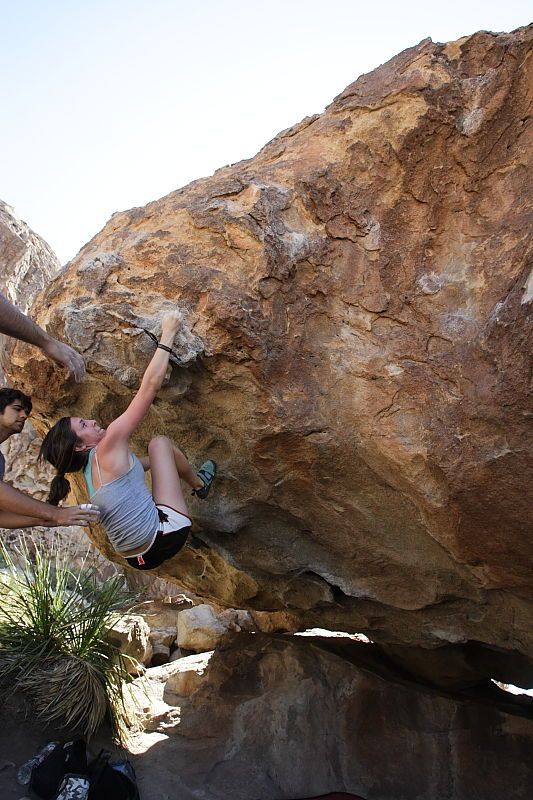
(120, 430)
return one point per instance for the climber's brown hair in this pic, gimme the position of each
(59, 449)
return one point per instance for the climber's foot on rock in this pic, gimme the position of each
(206, 473)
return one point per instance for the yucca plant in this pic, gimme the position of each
(53, 645)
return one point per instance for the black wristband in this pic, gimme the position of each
(164, 347)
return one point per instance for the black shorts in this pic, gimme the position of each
(165, 546)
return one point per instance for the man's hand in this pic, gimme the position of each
(65, 356)
(76, 515)
(14, 323)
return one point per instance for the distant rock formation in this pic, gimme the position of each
(28, 263)
(355, 355)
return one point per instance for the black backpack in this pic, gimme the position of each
(114, 779)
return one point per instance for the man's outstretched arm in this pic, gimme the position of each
(14, 323)
(22, 511)
(12, 521)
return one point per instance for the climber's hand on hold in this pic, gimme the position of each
(170, 324)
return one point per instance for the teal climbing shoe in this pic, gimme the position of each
(207, 474)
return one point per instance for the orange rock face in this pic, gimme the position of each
(357, 302)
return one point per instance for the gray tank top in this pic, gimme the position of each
(127, 509)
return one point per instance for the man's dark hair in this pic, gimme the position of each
(8, 396)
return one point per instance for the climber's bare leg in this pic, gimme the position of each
(168, 464)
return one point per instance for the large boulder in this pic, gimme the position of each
(280, 718)
(354, 354)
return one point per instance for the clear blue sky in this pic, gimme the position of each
(108, 104)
